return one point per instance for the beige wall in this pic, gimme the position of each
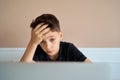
(86, 23)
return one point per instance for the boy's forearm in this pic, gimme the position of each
(29, 53)
(88, 60)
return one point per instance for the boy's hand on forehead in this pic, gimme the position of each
(38, 32)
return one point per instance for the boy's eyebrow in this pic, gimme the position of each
(51, 36)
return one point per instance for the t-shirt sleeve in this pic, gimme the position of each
(36, 54)
(35, 57)
(76, 54)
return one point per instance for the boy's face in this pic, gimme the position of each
(51, 42)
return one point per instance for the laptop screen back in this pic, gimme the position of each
(54, 71)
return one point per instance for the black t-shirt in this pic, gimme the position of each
(67, 52)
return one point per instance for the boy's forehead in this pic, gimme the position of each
(51, 34)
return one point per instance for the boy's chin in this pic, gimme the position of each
(51, 54)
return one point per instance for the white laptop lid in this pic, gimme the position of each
(54, 71)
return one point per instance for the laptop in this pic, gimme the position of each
(54, 71)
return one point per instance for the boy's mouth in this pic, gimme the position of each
(49, 51)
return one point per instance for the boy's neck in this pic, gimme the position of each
(54, 57)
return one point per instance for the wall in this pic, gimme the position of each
(86, 23)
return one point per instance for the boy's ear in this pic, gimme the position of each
(61, 35)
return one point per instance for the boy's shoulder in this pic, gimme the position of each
(65, 44)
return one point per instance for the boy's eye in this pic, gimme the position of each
(42, 42)
(52, 39)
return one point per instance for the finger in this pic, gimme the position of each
(45, 31)
(42, 28)
(38, 26)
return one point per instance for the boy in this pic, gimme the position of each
(46, 45)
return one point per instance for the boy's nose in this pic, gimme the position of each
(48, 45)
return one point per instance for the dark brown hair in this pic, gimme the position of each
(49, 19)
